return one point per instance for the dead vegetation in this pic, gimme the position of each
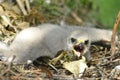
(20, 15)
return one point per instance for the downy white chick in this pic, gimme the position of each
(48, 39)
(79, 42)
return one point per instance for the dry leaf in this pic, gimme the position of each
(76, 67)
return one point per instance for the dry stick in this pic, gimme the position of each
(21, 5)
(78, 19)
(8, 22)
(4, 17)
(114, 34)
(27, 2)
(102, 71)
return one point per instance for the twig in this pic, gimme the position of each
(21, 5)
(47, 71)
(101, 58)
(77, 18)
(63, 77)
(9, 66)
(114, 34)
(52, 66)
(27, 2)
(101, 70)
(5, 18)
(8, 22)
(73, 14)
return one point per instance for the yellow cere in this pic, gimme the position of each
(80, 41)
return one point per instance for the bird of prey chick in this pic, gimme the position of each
(48, 39)
(79, 42)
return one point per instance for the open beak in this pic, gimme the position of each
(79, 49)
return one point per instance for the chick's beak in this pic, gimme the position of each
(79, 48)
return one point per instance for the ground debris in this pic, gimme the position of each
(101, 67)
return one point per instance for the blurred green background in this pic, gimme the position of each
(101, 13)
(107, 11)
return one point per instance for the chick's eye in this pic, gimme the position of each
(73, 40)
(87, 41)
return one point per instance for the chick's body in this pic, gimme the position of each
(48, 39)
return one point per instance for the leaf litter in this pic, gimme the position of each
(63, 68)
